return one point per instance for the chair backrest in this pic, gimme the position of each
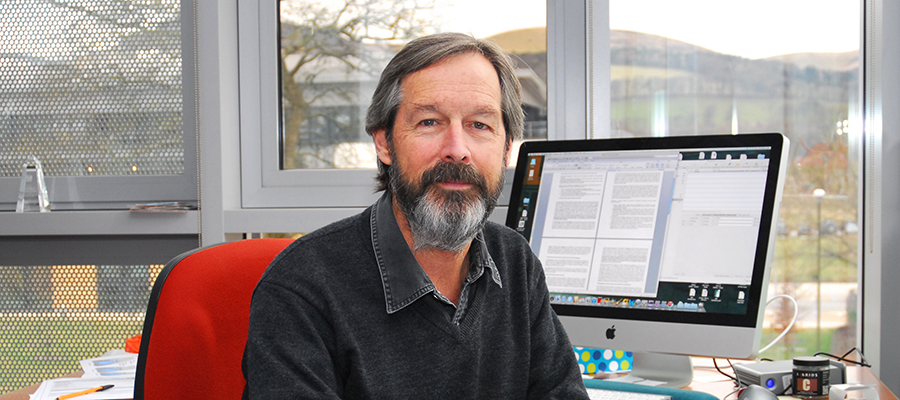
(196, 323)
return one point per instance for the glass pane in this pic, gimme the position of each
(688, 68)
(91, 87)
(53, 316)
(332, 54)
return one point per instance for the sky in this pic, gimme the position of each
(483, 18)
(775, 27)
(751, 29)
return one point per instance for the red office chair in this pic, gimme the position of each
(196, 323)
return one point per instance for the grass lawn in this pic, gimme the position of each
(799, 342)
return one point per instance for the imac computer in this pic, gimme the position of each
(658, 246)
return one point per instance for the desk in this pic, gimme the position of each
(706, 379)
(26, 392)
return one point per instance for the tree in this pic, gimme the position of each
(329, 51)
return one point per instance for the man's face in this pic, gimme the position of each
(449, 148)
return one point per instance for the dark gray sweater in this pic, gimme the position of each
(320, 327)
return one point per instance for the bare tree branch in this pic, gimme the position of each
(319, 46)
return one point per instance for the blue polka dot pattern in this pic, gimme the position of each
(592, 361)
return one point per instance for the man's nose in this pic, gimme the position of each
(456, 145)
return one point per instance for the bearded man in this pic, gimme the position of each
(419, 296)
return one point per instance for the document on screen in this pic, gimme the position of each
(600, 225)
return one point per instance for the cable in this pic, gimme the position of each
(843, 358)
(732, 393)
(736, 377)
(791, 325)
(716, 364)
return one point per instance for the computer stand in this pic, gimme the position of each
(675, 371)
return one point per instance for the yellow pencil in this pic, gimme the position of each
(83, 392)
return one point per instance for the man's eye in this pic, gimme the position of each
(479, 125)
(428, 122)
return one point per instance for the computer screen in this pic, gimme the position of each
(654, 245)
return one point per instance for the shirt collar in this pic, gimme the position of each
(403, 278)
(481, 260)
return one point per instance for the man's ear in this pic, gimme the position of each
(381, 146)
(509, 149)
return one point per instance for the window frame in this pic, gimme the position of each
(880, 195)
(263, 183)
(118, 192)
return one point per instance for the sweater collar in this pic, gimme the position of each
(403, 278)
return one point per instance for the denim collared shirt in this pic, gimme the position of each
(404, 279)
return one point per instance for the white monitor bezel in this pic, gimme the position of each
(639, 330)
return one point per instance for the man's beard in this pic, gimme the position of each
(444, 219)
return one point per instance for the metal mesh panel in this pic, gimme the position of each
(53, 316)
(91, 87)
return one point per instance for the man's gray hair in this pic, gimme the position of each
(422, 53)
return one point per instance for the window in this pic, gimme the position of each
(609, 78)
(333, 52)
(78, 301)
(312, 149)
(94, 89)
(677, 70)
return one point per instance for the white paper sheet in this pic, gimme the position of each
(117, 365)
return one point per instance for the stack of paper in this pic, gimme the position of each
(115, 364)
(115, 368)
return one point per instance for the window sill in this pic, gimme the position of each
(116, 222)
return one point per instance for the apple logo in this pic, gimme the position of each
(611, 333)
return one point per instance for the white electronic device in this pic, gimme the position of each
(659, 246)
(776, 375)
